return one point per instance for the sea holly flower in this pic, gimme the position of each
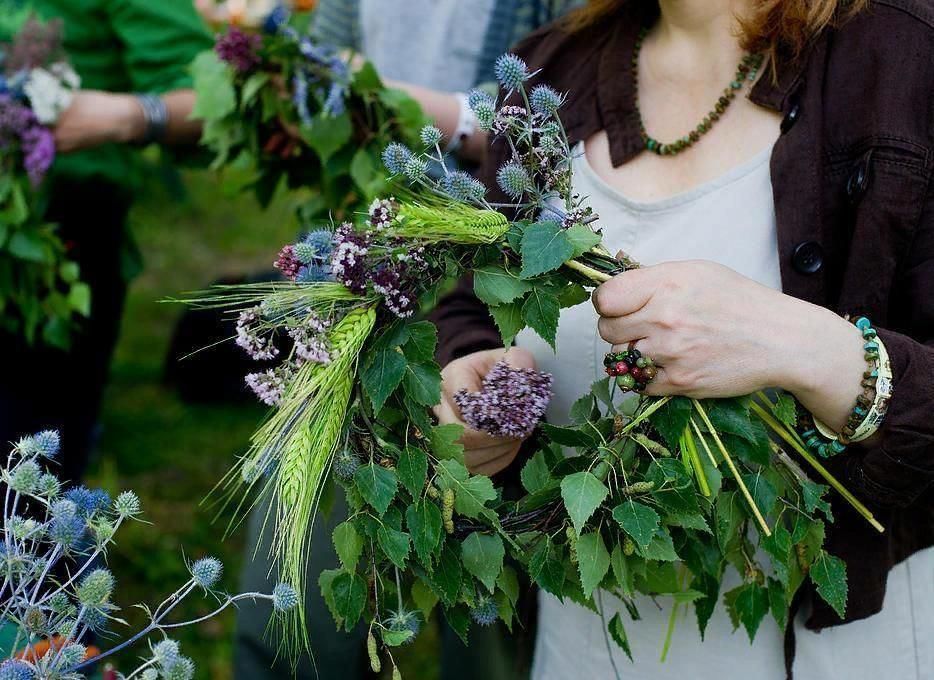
(484, 612)
(545, 100)
(430, 136)
(514, 180)
(483, 107)
(284, 597)
(207, 571)
(415, 169)
(462, 186)
(511, 71)
(238, 49)
(510, 403)
(395, 156)
(315, 248)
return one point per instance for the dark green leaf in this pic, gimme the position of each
(671, 419)
(424, 598)
(829, 575)
(546, 569)
(508, 582)
(749, 604)
(423, 383)
(582, 238)
(786, 410)
(424, 522)
(763, 493)
(582, 494)
(445, 580)
(638, 520)
(483, 557)
(348, 544)
(421, 342)
(778, 604)
(445, 442)
(571, 436)
(459, 621)
(545, 247)
(395, 544)
(535, 474)
(618, 633)
(661, 547)
(381, 375)
(813, 494)
(377, 485)
(471, 492)
(540, 311)
(349, 596)
(508, 319)
(412, 469)
(593, 561)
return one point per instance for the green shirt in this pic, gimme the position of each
(124, 46)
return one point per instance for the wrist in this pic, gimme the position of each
(131, 119)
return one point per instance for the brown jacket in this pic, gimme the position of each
(854, 201)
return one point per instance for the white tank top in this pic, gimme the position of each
(730, 220)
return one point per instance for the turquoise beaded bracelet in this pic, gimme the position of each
(819, 438)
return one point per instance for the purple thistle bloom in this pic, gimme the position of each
(510, 402)
(239, 49)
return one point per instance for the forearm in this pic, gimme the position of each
(444, 109)
(179, 129)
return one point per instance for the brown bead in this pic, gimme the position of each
(649, 372)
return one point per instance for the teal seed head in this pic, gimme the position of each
(405, 620)
(73, 654)
(514, 180)
(345, 465)
(63, 509)
(415, 169)
(394, 157)
(182, 669)
(284, 597)
(25, 477)
(484, 612)
(511, 71)
(207, 571)
(483, 107)
(461, 186)
(96, 588)
(127, 505)
(430, 136)
(48, 485)
(166, 652)
(150, 674)
(545, 100)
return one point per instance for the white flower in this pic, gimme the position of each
(50, 91)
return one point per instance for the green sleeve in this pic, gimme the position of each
(160, 38)
(337, 22)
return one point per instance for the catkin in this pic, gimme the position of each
(628, 546)
(396, 674)
(447, 510)
(637, 488)
(651, 446)
(375, 664)
(572, 543)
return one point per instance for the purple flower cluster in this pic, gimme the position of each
(269, 385)
(310, 339)
(381, 213)
(250, 337)
(37, 43)
(239, 49)
(19, 125)
(510, 402)
(394, 283)
(287, 262)
(348, 260)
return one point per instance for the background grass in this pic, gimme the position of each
(171, 452)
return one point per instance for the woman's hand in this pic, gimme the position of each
(716, 333)
(483, 453)
(94, 118)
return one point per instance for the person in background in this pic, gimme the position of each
(132, 56)
(436, 51)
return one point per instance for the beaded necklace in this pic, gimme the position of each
(746, 72)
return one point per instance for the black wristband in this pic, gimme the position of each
(157, 118)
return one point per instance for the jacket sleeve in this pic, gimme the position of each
(899, 465)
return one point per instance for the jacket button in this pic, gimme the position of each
(791, 117)
(808, 257)
(858, 181)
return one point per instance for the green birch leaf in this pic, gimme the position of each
(394, 638)
(508, 320)
(471, 492)
(750, 604)
(326, 585)
(582, 238)
(496, 285)
(582, 493)
(423, 383)
(638, 520)
(424, 522)
(573, 295)
(546, 569)
(445, 579)
(381, 375)
(786, 410)
(593, 561)
(540, 312)
(694, 521)
(829, 575)
(482, 555)
(813, 495)
(421, 342)
(660, 548)
(671, 419)
(778, 603)
(327, 134)
(571, 436)
(424, 598)
(763, 493)
(349, 597)
(348, 544)
(535, 474)
(732, 417)
(704, 608)
(445, 441)
(458, 620)
(212, 81)
(508, 582)
(618, 633)
(252, 86)
(545, 247)
(621, 571)
(395, 544)
(377, 485)
(412, 469)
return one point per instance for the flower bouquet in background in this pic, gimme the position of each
(40, 292)
(292, 110)
(637, 496)
(56, 589)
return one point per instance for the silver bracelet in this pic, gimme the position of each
(157, 118)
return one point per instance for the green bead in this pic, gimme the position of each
(837, 446)
(823, 450)
(651, 144)
(640, 362)
(627, 382)
(736, 84)
(813, 442)
(871, 346)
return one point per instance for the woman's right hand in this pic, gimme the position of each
(483, 453)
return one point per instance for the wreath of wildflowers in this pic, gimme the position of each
(294, 111)
(645, 495)
(55, 587)
(40, 292)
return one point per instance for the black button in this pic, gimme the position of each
(791, 117)
(858, 181)
(808, 257)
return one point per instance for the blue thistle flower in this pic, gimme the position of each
(483, 107)
(395, 156)
(461, 186)
(545, 100)
(67, 531)
(514, 180)
(313, 273)
(430, 135)
(48, 443)
(96, 588)
(316, 247)
(334, 101)
(485, 612)
(127, 504)
(275, 19)
(511, 71)
(182, 669)
(13, 669)
(284, 597)
(300, 95)
(207, 571)
(95, 620)
(88, 501)
(166, 652)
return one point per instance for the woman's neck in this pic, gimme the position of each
(698, 36)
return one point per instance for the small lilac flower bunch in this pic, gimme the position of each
(510, 403)
(48, 529)
(239, 49)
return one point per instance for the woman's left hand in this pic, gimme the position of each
(716, 333)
